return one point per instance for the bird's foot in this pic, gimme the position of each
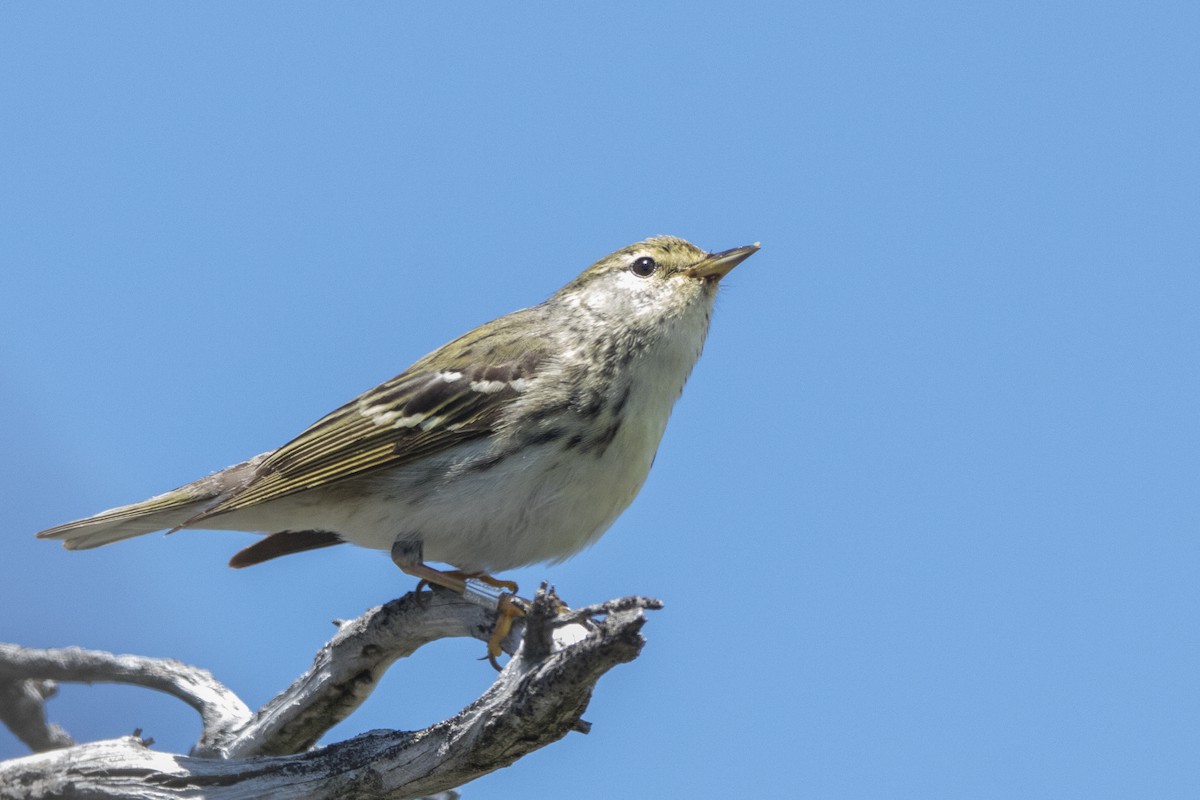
(508, 609)
(500, 595)
(477, 587)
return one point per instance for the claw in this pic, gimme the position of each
(507, 610)
(421, 584)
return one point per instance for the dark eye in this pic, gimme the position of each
(644, 267)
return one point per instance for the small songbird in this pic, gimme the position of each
(517, 443)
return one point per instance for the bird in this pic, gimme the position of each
(518, 443)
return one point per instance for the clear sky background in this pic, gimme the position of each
(925, 519)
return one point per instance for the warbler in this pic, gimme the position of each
(517, 443)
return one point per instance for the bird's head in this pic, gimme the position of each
(660, 278)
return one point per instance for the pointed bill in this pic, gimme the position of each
(718, 265)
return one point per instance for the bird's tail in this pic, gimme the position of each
(165, 511)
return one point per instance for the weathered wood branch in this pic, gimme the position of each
(537, 699)
(23, 711)
(346, 670)
(221, 711)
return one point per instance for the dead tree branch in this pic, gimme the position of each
(537, 699)
(23, 711)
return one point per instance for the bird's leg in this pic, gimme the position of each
(510, 586)
(481, 589)
(407, 556)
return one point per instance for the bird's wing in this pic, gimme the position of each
(451, 396)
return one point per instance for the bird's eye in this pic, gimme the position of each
(644, 267)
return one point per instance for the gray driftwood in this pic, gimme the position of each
(537, 699)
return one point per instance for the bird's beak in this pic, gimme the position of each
(718, 265)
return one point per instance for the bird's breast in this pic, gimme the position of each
(570, 456)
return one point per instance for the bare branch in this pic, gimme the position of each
(23, 710)
(342, 675)
(346, 670)
(220, 709)
(537, 699)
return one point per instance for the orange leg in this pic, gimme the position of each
(495, 583)
(477, 587)
(509, 609)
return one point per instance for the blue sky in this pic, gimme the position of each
(925, 519)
